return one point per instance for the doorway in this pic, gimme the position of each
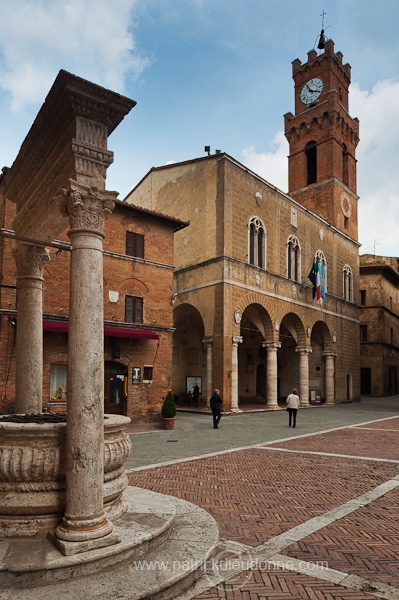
(365, 381)
(115, 388)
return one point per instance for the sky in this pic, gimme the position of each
(210, 73)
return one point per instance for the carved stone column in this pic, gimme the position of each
(304, 375)
(30, 262)
(208, 341)
(237, 339)
(330, 376)
(84, 525)
(271, 375)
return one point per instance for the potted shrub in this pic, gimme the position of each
(169, 411)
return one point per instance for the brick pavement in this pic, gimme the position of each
(281, 584)
(256, 494)
(377, 442)
(365, 543)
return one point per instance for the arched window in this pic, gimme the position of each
(311, 162)
(345, 172)
(347, 283)
(319, 256)
(257, 243)
(293, 259)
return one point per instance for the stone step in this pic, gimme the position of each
(166, 545)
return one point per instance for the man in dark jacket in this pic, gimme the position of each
(216, 403)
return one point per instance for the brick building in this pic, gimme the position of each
(138, 325)
(245, 318)
(379, 329)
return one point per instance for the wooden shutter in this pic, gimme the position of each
(133, 309)
(134, 244)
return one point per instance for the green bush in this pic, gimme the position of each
(169, 406)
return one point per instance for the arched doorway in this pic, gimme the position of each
(320, 342)
(255, 329)
(115, 387)
(292, 336)
(189, 356)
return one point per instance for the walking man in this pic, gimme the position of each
(216, 403)
(292, 407)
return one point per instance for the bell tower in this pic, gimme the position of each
(322, 139)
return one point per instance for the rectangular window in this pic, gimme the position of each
(363, 297)
(134, 244)
(147, 374)
(133, 309)
(363, 333)
(58, 378)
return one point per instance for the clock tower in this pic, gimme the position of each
(322, 139)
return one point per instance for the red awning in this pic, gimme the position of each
(122, 332)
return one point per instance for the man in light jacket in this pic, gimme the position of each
(292, 407)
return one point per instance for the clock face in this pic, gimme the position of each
(311, 90)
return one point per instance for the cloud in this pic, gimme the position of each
(377, 167)
(272, 166)
(91, 38)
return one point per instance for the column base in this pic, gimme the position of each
(305, 405)
(68, 548)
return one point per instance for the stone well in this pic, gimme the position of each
(32, 474)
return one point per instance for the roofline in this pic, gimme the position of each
(178, 224)
(224, 155)
(387, 270)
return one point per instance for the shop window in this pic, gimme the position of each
(133, 309)
(134, 244)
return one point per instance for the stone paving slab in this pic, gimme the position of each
(376, 442)
(255, 494)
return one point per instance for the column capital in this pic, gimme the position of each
(87, 207)
(271, 346)
(329, 354)
(30, 260)
(304, 350)
(207, 340)
(237, 339)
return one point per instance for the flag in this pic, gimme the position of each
(322, 280)
(314, 277)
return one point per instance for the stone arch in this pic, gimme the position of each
(255, 329)
(266, 313)
(292, 335)
(189, 352)
(321, 342)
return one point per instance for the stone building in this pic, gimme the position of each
(379, 329)
(244, 314)
(138, 319)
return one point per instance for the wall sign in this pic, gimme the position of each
(136, 375)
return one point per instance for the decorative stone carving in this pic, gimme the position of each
(32, 473)
(237, 316)
(30, 260)
(87, 207)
